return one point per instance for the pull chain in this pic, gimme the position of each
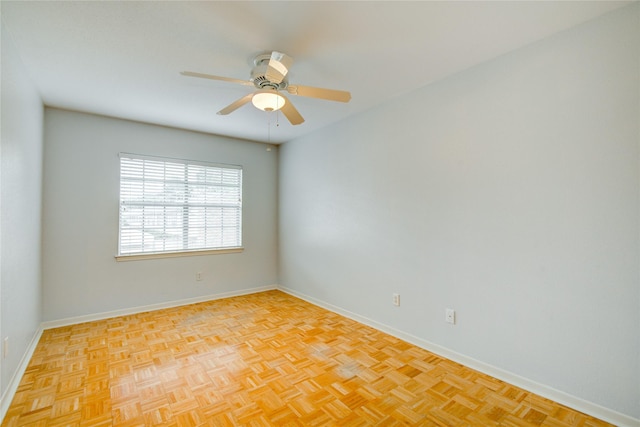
(277, 113)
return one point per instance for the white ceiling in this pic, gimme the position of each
(123, 59)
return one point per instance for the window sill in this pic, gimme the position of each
(157, 255)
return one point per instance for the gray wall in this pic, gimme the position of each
(80, 221)
(508, 192)
(20, 209)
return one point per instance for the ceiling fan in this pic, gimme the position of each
(269, 76)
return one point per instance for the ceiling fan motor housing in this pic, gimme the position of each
(258, 74)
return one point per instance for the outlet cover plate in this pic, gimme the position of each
(396, 300)
(450, 316)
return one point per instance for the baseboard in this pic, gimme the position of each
(7, 397)
(141, 309)
(563, 398)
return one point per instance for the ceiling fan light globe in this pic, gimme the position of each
(268, 101)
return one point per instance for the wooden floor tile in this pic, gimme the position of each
(266, 359)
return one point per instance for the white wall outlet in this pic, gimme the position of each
(199, 276)
(5, 347)
(450, 316)
(396, 300)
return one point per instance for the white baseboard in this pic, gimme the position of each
(7, 397)
(141, 309)
(563, 398)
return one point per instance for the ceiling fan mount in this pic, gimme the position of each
(270, 76)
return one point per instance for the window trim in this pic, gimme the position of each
(158, 255)
(185, 252)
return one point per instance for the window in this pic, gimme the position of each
(171, 206)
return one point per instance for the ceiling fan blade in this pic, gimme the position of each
(291, 113)
(278, 67)
(316, 92)
(212, 77)
(235, 105)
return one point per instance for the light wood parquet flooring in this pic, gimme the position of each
(265, 359)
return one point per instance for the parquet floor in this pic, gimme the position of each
(266, 359)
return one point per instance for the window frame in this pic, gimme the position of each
(180, 252)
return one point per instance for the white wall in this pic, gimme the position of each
(20, 209)
(80, 222)
(508, 192)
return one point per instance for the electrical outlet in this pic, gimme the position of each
(199, 276)
(450, 316)
(5, 347)
(396, 300)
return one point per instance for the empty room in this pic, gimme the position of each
(320, 213)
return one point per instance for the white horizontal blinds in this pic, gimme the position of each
(169, 205)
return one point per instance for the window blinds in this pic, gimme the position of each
(172, 205)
